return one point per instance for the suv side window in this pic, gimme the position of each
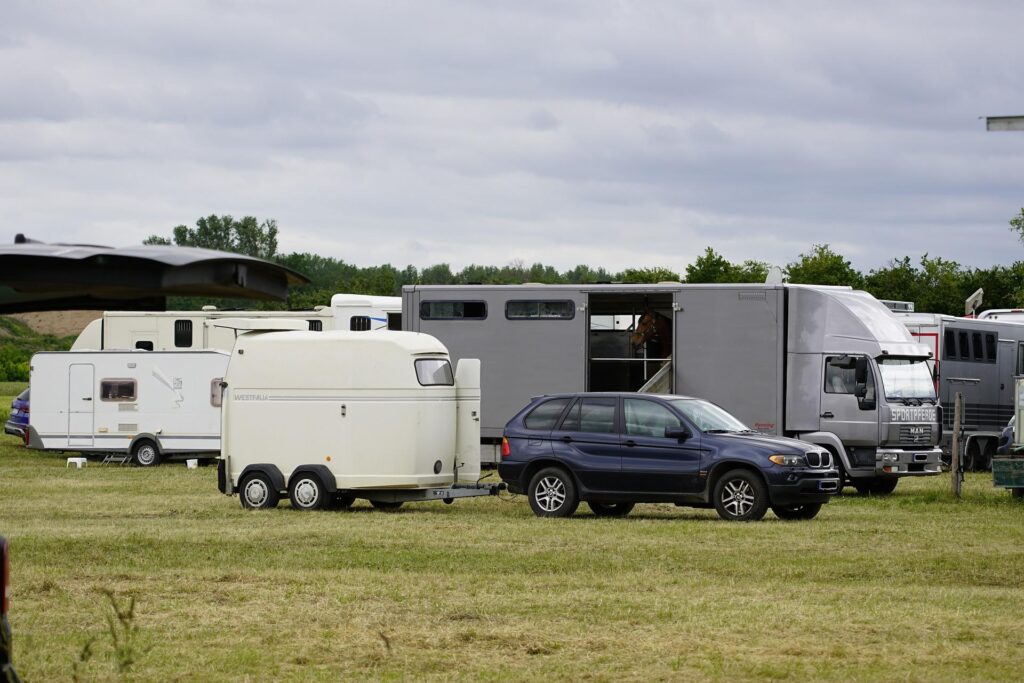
(596, 415)
(648, 418)
(546, 415)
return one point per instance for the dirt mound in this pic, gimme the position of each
(58, 323)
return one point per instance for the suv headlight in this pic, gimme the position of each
(788, 460)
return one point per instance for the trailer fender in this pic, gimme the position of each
(145, 436)
(831, 442)
(274, 474)
(325, 475)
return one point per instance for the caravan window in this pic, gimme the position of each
(453, 310)
(395, 321)
(359, 323)
(183, 334)
(432, 372)
(117, 390)
(216, 392)
(144, 345)
(540, 310)
(316, 325)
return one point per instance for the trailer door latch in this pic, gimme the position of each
(344, 410)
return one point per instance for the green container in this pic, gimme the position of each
(1008, 471)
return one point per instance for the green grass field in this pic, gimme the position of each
(914, 587)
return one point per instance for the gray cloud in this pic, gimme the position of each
(611, 133)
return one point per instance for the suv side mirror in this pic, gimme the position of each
(681, 433)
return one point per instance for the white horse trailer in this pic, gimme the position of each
(142, 404)
(328, 418)
(360, 312)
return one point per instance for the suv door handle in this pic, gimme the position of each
(567, 439)
(827, 414)
(630, 443)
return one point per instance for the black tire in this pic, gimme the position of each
(875, 486)
(741, 496)
(145, 453)
(257, 492)
(972, 457)
(843, 479)
(307, 492)
(808, 511)
(610, 509)
(1017, 493)
(343, 501)
(552, 493)
(386, 505)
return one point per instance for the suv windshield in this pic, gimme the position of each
(707, 416)
(904, 378)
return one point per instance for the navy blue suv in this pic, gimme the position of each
(616, 450)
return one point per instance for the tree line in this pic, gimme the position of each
(934, 284)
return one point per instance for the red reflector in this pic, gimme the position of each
(506, 450)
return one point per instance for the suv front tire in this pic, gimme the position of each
(741, 496)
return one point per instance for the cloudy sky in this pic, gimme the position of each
(563, 131)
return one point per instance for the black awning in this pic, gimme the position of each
(36, 276)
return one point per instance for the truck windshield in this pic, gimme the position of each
(906, 378)
(707, 416)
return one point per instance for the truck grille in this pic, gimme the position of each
(916, 434)
(822, 459)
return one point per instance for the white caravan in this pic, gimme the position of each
(331, 417)
(146, 405)
(181, 330)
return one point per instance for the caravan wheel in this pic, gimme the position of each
(257, 493)
(307, 493)
(146, 454)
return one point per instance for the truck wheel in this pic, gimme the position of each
(741, 496)
(809, 511)
(1017, 493)
(610, 509)
(972, 457)
(145, 453)
(257, 492)
(386, 505)
(307, 492)
(875, 486)
(552, 493)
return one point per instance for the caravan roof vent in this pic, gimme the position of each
(209, 308)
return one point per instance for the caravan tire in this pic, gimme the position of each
(307, 492)
(145, 453)
(386, 505)
(257, 492)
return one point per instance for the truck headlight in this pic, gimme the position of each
(788, 460)
(890, 457)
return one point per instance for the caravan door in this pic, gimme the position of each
(81, 404)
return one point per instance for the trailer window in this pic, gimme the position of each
(949, 345)
(979, 350)
(183, 334)
(453, 310)
(316, 325)
(117, 390)
(359, 323)
(965, 346)
(540, 310)
(432, 372)
(839, 380)
(545, 416)
(990, 348)
(144, 345)
(216, 392)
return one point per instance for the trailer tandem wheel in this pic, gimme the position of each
(256, 492)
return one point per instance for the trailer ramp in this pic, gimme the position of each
(660, 382)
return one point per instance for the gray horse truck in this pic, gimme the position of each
(829, 365)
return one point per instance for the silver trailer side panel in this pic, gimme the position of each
(520, 358)
(729, 348)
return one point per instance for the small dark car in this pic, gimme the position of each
(1006, 438)
(17, 423)
(615, 450)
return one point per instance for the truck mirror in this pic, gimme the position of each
(861, 371)
(861, 390)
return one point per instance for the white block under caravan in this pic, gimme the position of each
(334, 416)
(147, 404)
